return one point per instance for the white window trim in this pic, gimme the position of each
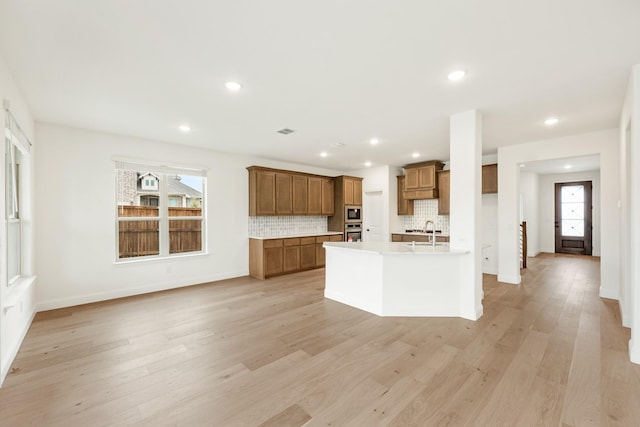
(163, 211)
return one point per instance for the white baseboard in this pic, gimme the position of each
(127, 292)
(13, 351)
(634, 352)
(514, 280)
(626, 318)
(609, 293)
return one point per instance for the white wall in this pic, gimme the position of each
(76, 242)
(14, 322)
(547, 207)
(604, 143)
(629, 143)
(490, 233)
(529, 191)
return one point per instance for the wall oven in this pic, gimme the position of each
(352, 214)
(353, 232)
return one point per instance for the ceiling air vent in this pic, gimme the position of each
(285, 131)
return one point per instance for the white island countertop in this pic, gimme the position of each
(397, 248)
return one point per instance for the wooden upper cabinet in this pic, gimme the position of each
(405, 207)
(348, 191)
(444, 198)
(351, 191)
(284, 202)
(262, 192)
(420, 180)
(357, 192)
(281, 192)
(489, 179)
(314, 207)
(327, 197)
(300, 195)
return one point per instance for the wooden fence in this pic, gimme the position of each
(142, 237)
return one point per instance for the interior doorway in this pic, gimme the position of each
(573, 218)
(372, 210)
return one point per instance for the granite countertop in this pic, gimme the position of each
(289, 236)
(396, 248)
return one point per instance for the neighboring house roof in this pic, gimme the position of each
(174, 187)
(142, 175)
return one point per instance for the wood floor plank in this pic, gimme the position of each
(247, 352)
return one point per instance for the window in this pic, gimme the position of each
(17, 191)
(154, 225)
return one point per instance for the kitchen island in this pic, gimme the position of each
(395, 279)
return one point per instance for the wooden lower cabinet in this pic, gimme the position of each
(410, 237)
(274, 257)
(307, 253)
(291, 255)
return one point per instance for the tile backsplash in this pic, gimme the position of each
(274, 226)
(424, 210)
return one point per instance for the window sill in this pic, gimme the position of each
(151, 259)
(16, 290)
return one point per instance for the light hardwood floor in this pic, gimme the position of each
(276, 353)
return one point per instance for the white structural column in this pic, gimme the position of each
(466, 207)
(508, 219)
(634, 204)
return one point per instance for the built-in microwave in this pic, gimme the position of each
(352, 214)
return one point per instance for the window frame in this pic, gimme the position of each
(163, 218)
(18, 190)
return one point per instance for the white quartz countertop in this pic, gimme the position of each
(290, 236)
(396, 248)
(418, 233)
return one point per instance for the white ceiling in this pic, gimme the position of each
(568, 165)
(333, 71)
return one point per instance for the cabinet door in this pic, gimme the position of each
(489, 179)
(291, 258)
(273, 261)
(426, 177)
(444, 199)
(411, 179)
(300, 195)
(396, 238)
(284, 204)
(307, 256)
(265, 193)
(314, 207)
(405, 207)
(357, 192)
(348, 191)
(327, 197)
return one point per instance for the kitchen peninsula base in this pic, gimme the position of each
(395, 279)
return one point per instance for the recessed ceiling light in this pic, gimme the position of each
(374, 141)
(415, 155)
(456, 75)
(324, 154)
(367, 164)
(233, 86)
(184, 128)
(551, 121)
(567, 166)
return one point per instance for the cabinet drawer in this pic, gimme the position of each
(336, 238)
(275, 243)
(292, 242)
(320, 239)
(307, 240)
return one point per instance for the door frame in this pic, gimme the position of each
(588, 220)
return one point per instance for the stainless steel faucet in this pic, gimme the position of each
(433, 231)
